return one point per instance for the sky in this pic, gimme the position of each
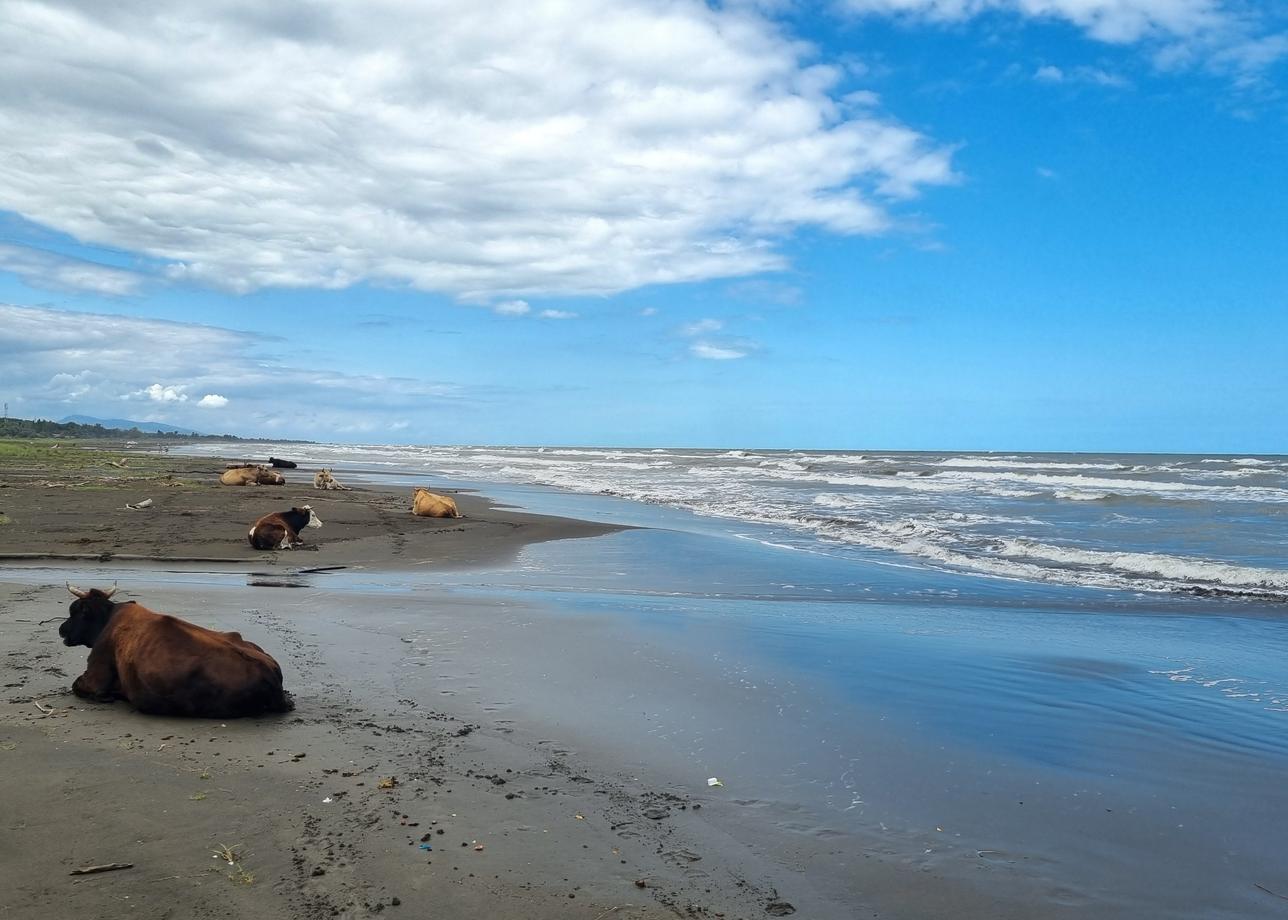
(851, 224)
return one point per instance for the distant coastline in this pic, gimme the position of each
(24, 428)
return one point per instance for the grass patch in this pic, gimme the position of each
(70, 463)
(232, 856)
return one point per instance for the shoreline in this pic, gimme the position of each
(260, 785)
(886, 759)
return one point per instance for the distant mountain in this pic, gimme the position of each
(126, 424)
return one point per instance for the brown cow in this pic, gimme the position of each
(252, 476)
(323, 479)
(425, 503)
(167, 666)
(281, 529)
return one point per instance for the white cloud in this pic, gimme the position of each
(483, 150)
(649, 311)
(1046, 172)
(701, 327)
(716, 352)
(1232, 37)
(557, 314)
(51, 360)
(1116, 21)
(1082, 74)
(512, 308)
(52, 271)
(163, 394)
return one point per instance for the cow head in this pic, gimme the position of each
(314, 520)
(87, 616)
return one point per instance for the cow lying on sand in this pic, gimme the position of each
(252, 476)
(166, 666)
(281, 529)
(283, 464)
(425, 503)
(323, 479)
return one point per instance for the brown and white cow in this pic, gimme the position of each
(281, 529)
(425, 503)
(167, 666)
(323, 479)
(252, 476)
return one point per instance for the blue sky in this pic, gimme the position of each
(921, 224)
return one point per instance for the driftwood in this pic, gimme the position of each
(108, 867)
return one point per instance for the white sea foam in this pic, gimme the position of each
(1004, 516)
(988, 463)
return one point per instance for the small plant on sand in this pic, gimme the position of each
(197, 796)
(230, 855)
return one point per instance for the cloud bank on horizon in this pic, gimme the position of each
(157, 370)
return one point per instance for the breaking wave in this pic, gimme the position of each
(1136, 523)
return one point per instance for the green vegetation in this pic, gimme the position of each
(43, 428)
(68, 464)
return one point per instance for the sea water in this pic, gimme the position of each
(1075, 666)
(1142, 523)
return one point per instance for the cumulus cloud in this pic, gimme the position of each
(51, 360)
(162, 394)
(53, 271)
(557, 314)
(482, 150)
(512, 308)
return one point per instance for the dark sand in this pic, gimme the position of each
(519, 826)
(80, 514)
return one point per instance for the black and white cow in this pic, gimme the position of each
(281, 529)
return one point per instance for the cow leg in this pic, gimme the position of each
(99, 682)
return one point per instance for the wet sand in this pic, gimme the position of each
(80, 513)
(370, 797)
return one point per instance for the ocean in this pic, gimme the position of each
(1138, 523)
(1063, 677)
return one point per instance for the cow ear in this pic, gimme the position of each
(77, 592)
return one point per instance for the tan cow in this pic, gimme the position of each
(252, 476)
(425, 503)
(323, 479)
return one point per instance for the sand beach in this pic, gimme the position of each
(517, 714)
(369, 797)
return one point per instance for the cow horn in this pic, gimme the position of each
(77, 592)
(111, 592)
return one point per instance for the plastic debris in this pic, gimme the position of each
(713, 781)
(328, 800)
(139, 506)
(426, 846)
(478, 848)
